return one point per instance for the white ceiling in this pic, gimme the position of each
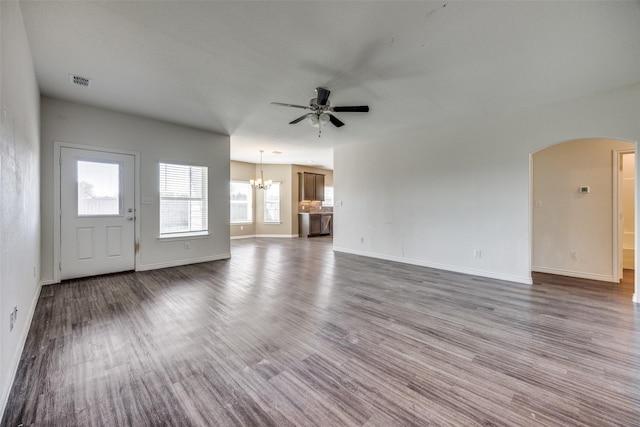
(218, 65)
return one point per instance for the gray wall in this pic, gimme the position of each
(156, 141)
(19, 190)
(436, 196)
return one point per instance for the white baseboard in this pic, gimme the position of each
(473, 272)
(253, 236)
(15, 360)
(635, 298)
(48, 282)
(246, 236)
(178, 263)
(578, 274)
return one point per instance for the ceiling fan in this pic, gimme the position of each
(320, 110)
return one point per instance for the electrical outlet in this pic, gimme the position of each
(361, 239)
(187, 245)
(573, 255)
(477, 253)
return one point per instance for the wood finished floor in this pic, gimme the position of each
(289, 333)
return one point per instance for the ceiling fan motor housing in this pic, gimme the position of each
(313, 104)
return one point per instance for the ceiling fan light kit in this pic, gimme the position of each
(319, 119)
(321, 110)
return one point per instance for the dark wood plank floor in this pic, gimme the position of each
(289, 333)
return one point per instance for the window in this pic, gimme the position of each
(328, 196)
(241, 202)
(272, 203)
(183, 199)
(99, 188)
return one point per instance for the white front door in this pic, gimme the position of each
(97, 212)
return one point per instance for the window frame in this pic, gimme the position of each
(205, 192)
(325, 202)
(264, 204)
(249, 202)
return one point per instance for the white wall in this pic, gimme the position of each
(566, 221)
(434, 197)
(19, 190)
(156, 141)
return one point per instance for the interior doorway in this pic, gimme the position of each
(577, 209)
(626, 202)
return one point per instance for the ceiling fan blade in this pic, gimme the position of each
(335, 121)
(291, 105)
(358, 109)
(299, 119)
(323, 95)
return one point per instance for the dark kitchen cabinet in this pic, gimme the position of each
(315, 224)
(311, 186)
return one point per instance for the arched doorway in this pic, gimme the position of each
(575, 222)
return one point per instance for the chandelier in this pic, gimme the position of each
(260, 183)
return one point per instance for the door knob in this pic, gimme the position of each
(130, 210)
(131, 218)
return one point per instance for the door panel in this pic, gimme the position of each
(84, 243)
(96, 219)
(114, 241)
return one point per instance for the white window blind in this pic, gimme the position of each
(183, 199)
(272, 203)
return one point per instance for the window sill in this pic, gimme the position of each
(272, 222)
(241, 222)
(183, 236)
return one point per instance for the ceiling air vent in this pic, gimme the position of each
(80, 81)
